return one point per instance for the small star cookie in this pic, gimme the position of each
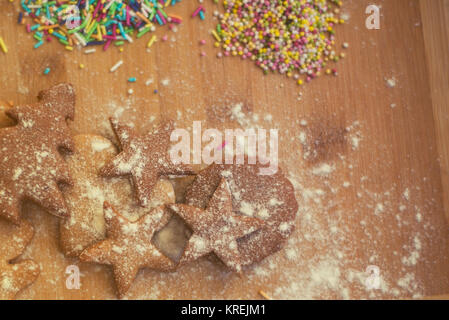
(144, 157)
(14, 277)
(216, 229)
(128, 247)
(31, 166)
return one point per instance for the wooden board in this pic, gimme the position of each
(383, 204)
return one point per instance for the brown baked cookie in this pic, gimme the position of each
(128, 246)
(267, 197)
(85, 199)
(31, 166)
(14, 277)
(144, 157)
(216, 229)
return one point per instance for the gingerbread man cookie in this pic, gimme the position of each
(31, 166)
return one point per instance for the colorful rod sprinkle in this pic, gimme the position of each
(93, 22)
(3, 45)
(292, 37)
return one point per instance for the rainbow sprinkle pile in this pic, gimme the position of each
(292, 37)
(94, 22)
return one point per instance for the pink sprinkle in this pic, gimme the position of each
(107, 44)
(128, 20)
(195, 13)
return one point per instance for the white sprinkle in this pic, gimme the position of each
(116, 66)
(88, 51)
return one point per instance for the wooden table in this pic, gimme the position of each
(392, 166)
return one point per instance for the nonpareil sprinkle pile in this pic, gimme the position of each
(94, 22)
(292, 37)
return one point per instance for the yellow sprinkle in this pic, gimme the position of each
(100, 36)
(90, 26)
(152, 40)
(69, 48)
(82, 66)
(3, 45)
(216, 36)
(263, 294)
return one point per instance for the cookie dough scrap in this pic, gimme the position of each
(14, 277)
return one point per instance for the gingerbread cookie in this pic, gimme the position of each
(216, 229)
(128, 246)
(31, 166)
(267, 197)
(85, 199)
(144, 157)
(14, 277)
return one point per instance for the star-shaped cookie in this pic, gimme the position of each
(144, 157)
(31, 166)
(128, 247)
(216, 229)
(18, 275)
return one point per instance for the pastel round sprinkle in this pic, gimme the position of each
(291, 37)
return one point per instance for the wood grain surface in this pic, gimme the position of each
(389, 147)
